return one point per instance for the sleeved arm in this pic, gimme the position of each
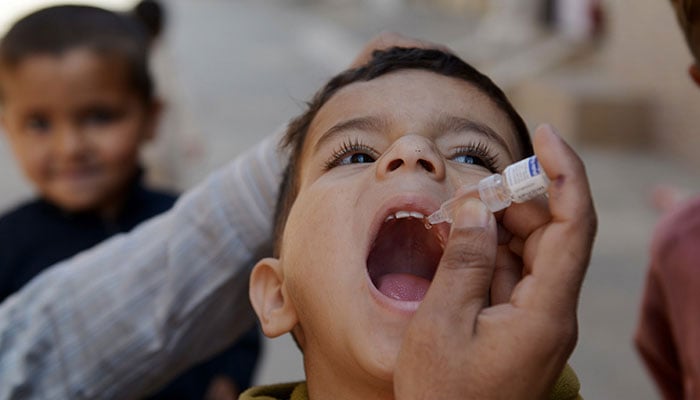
(668, 328)
(654, 338)
(124, 317)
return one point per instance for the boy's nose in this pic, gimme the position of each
(69, 142)
(412, 153)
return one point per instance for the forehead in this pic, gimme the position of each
(77, 72)
(413, 101)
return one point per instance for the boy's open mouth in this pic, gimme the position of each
(404, 256)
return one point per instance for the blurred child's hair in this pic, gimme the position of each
(688, 14)
(55, 30)
(382, 63)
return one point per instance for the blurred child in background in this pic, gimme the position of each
(77, 105)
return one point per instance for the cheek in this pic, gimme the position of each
(461, 176)
(32, 155)
(316, 220)
(322, 209)
(318, 241)
(120, 145)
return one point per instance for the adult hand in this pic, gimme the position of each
(386, 40)
(459, 345)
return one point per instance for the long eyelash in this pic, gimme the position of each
(348, 146)
(483, 151)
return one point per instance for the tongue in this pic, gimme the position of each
(404, 287)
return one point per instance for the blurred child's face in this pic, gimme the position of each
(355, 266)
(75, 124)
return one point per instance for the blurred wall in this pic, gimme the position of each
(645, 49)
(630, 90)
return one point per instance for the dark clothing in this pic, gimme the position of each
(566, 387)
(38, 234)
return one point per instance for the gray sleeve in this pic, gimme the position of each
(124, 317)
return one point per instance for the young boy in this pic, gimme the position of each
(78, 103)
(379, 148)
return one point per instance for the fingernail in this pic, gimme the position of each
(472, 214)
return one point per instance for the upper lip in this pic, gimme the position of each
(411, 202)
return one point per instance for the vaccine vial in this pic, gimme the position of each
(519, 183)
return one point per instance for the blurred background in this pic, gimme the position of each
(610, 75)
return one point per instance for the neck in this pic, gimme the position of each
(110, 209)
(342, 382)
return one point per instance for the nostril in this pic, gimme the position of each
(427, 165)
(395, 164)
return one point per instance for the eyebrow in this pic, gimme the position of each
(450, 123)
(367, 124)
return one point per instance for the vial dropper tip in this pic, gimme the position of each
(435, 218)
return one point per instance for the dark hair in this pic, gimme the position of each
(55, 30)
(382, 63)
(688, 14)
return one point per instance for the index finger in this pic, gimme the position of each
(460, 287)
(564, 246)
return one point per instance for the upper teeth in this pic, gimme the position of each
(405, 214)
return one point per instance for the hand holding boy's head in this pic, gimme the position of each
(380, 147)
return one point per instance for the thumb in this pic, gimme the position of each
(462, 280)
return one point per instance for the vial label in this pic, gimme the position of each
(526, 179)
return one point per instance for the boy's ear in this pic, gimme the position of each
(694, 72)
(269, 298)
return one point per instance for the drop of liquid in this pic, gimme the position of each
(427, 224)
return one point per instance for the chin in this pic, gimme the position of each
(382, 364)
(75, 204)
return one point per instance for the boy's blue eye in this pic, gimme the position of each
(476, 154)
(468, 159)
(356, 158)
(351, 152)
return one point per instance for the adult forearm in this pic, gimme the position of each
(118, 320)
